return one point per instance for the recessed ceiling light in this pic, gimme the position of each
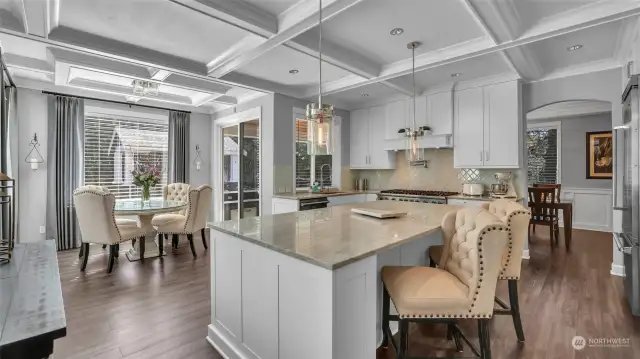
(456, 74)
(574, 47)
(365, 95)
(293, 72)
(397, 31)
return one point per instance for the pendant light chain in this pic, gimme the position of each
(320, 57)
(413, 71)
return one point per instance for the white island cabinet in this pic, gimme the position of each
(306, 284)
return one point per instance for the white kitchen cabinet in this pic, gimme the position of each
(487, 127)
(340, 200)
(468, 150)
(439, 108)
(396, 118)
(502, 125)
(359, 139)
(283, 205)
(368, 128)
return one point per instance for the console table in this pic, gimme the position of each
(31, 307)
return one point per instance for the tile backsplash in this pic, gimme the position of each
(440, 175)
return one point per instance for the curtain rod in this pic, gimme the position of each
(6, 70)
(113, 101)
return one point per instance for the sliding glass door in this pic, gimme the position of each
(240, 164)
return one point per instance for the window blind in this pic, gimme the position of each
(113, 146)
(307, 167)
(542, 144)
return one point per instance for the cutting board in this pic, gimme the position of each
(378, 213)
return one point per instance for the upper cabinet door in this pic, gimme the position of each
(440, 113)
(379, 158)
(421, 111)
(468, 129)
(396, 118)
(359, 139)
(502, 125)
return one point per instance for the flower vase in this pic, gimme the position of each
(146, 193)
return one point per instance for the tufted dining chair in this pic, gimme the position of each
(464, 287)
(94, 210)
(516, 217)
(176, 192)
(193, 220)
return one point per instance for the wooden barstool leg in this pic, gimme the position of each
(515, 308)
(386, 303)
(485, 339)
(404, 338)
(112, 256)
(160, 245)
(203, 232)
(141, 247)
(193, 248)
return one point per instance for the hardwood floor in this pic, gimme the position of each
(161, 308)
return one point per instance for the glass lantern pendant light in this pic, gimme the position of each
(415, 154)
(320, 115)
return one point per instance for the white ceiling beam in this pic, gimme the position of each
(53, 12)
(292, 23)
(587, 17)
(235, 12)
(36, 17)
(589, 67)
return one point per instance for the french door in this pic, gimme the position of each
(239, 161)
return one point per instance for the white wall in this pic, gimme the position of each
(32, 191)
(200, 135)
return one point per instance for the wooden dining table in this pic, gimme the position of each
(567, 217)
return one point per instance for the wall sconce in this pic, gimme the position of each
(198, 160)
(34, 157)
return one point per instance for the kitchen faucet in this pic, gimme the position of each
(322, 174)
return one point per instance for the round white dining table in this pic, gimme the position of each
(145, 210)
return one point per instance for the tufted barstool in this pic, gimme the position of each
(94, 209)
(516, 217)
(463, 288)
(194, 219)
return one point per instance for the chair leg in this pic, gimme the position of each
(85, 256)
(203, 232)
(534, 228)
(112, 256)
(141, 247)
(160, 245)
(449, 331)
(404, 338)
(193, 248)
(515, 308)
(133, 242)
(81, 250)
(432, 263)
(386, 303)
(174, 241)
(551, 235)
(457, 339)
(557, 234)
(117, 250)
(104, 246)
(485, 339)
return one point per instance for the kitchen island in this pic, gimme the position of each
(307, 284)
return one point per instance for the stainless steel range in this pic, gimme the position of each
(410, 195)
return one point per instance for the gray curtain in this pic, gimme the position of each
(179, 127)
(65, 154)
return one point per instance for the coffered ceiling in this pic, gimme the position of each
(213, 54)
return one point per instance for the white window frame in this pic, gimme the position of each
(550, 125)
(299, 114)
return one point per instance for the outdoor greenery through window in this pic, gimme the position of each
(113, 147)
(307, 167)
(542, 146)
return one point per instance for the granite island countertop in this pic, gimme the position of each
(308, 195)
(334, 237)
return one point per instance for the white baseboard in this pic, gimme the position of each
(588, 227)
(617, 270)
(525, 254)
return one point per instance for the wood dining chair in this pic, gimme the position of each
(558, 188)
(543, 215)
